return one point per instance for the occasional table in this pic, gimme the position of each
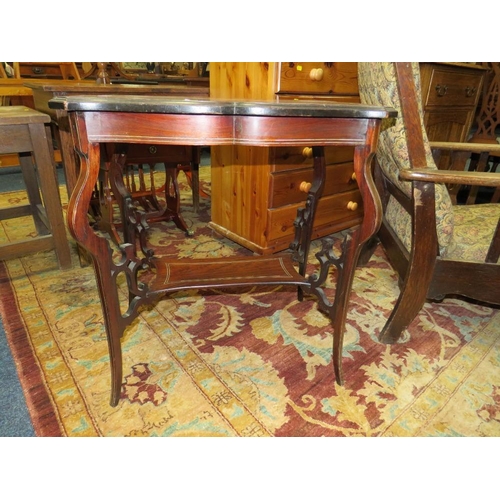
(203, 122)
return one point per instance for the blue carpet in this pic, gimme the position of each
(14, 417)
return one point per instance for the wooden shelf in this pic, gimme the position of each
(219, 273)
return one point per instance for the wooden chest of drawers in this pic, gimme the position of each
(256, 191)
(339, 80)
(450, 94)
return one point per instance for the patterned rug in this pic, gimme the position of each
(245, 362)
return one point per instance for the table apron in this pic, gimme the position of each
(219, 130)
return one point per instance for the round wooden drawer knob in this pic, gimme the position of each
(307, 152)
(352, 205)
(316, 74)
(305, 186)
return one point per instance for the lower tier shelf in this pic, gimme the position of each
(224, 272)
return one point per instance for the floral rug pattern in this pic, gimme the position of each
(244, 362)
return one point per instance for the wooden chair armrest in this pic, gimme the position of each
(451, 177)
(471, 147)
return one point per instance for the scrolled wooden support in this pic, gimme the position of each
(326, 258)
(130, 266)
(304, 221)
(133, 218)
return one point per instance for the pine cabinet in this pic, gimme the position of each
(256, 191)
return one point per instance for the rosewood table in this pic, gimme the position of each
(205, 122)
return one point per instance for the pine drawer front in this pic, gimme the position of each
(284, 159)
(291, 187)
(331, 209)
(318, 78)
(255, 194)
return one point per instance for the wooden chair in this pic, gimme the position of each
(436, 247)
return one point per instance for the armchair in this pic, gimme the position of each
(438, 248)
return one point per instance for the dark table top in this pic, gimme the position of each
(87, 87)
(207, 106)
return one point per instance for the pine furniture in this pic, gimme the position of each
(256, 207)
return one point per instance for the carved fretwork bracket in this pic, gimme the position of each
(296, 246)
(326, 258)
(134, 221)
(130, 266)
(305, 216)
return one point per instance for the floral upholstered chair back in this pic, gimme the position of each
(378, 86)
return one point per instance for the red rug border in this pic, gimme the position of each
(42, 411)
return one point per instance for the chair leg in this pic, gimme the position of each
(421, 263)
(195, 179)
(402, 315)
(173, 199)
(411, 299)
(367, 251)
(33, 192)
(496, 194)
(50, 192)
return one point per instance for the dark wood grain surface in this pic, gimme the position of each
(159, 120)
